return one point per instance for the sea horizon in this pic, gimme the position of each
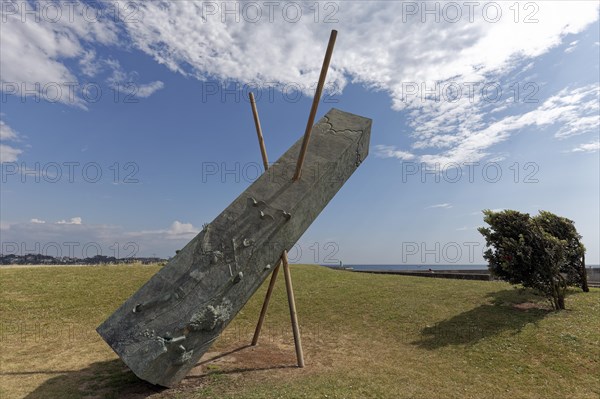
(437, 266)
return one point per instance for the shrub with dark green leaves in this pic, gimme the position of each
(542, 252)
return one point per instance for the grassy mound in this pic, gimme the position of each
(364, 336)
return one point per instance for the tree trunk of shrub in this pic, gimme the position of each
(559, 289)
(584, 283)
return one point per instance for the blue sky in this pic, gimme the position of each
(126, 126)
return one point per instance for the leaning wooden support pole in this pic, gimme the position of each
(315, 104)
(265, 306)
(263, 151)
(292, 303)
(261, 141)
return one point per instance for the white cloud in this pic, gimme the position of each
(574, 110)
(387, 151)
(572, 46)
(176, 231)
(188, 39)
(146, 90)
(34, 48)
(127, 82)
(380, 45)
(442, 206)
(6, 132)
(594, 146)
(498, 158)
(90, 66)
(75, 220)
(37, 221)
(406, 54)
(8, 153)
(179, 229)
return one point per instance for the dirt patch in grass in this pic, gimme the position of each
(525, 306)
(237, 361)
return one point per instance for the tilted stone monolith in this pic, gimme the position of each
(163, 329)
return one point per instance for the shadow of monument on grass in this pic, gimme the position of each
(113, 379)
(509, 310)
(108, 379)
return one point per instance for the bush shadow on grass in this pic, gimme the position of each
(108, 379)
(508, 310)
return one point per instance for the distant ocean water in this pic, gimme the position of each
(416, 267)
(422, 267)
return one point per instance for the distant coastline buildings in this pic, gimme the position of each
(39, 259)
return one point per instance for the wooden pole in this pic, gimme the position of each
(261, 141)
(284, 259)
(292, 303)
(263, 311)
(315, 104)
(263, 151)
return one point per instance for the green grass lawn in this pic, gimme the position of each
(364, 336)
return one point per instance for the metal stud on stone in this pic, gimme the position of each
(238, 278)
